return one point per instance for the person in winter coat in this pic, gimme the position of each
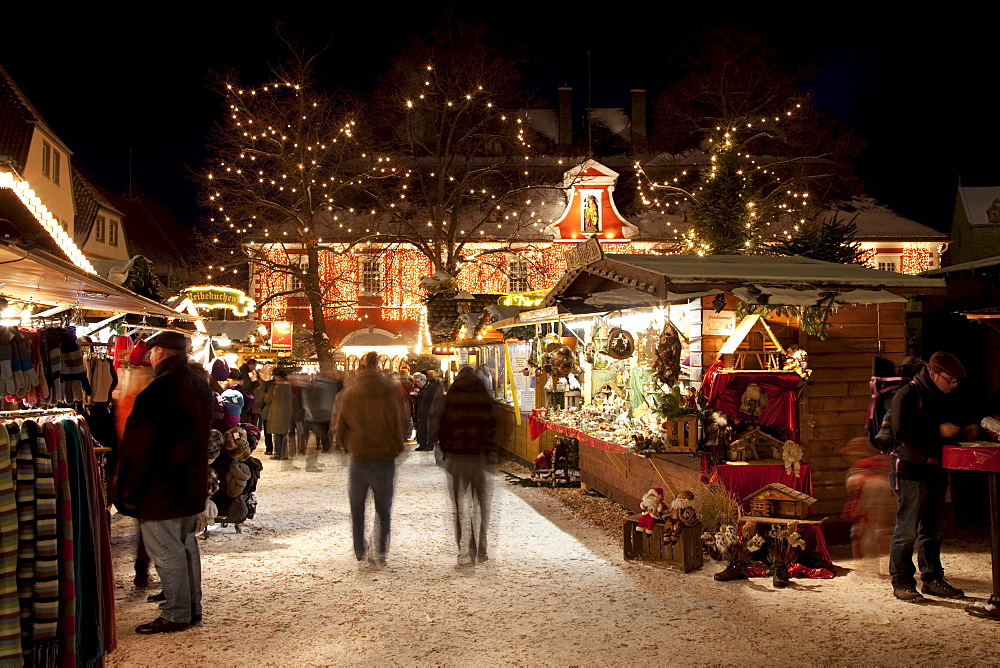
(278, 413)
(925, 415)
(160, 475)
(233, 399)
(369, 428)
(466, 437)
(319, 399)
(430, 401)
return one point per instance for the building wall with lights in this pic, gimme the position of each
(399, 304)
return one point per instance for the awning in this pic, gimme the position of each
(42, 278)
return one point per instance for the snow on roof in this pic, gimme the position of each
(543, 121)
(875, 221)
(965, 266)
(613, 118)
(768, 270)
(977, 202)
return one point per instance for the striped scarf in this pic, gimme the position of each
(10, 609)
(24, 480)
(45, 588)
(56, 439)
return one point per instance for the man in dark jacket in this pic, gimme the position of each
(160, 476)
(430, 402)
(924, 416)
(466, 435)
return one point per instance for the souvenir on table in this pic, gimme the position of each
(797, 360)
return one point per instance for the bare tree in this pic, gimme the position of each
(283, 162)
(461, 151)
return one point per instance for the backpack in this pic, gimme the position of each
(879, 424)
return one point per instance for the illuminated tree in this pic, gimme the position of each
(460, 151)
(281, 168)
(763, 153)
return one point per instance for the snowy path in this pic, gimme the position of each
(288, 592)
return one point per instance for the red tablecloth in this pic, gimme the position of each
(745, 479)
(724, 391)
(537, 425)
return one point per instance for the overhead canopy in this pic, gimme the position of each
(619, 281)
(42, 278)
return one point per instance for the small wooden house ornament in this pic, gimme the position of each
(777, 500)
(752, 347)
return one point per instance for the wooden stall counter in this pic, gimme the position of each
(982, 457)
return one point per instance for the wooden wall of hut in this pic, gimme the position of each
(833, 407)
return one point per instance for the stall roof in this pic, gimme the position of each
(638, 278)
(43, 278)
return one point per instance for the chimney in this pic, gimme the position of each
(565, 115)
(638, 114)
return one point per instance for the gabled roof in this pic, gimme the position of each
(151, 230)
(17, 119)
(783, 489)
(748, 323)
(977, 201)
(87, 200)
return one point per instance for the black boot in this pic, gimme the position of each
(780, 579)
(735, 570)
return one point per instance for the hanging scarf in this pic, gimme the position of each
(45, 586)
(24, 480)
(56, 440)
(104, 575)
(10, 607)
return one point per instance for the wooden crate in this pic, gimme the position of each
(684, 430)
(685, 555)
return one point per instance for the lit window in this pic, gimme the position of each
(56, 162)
(295, 281)
(371, 276)
(887, 266)
(99, 230)
(46, 158)
(113, 233)
(517, 275)
(993, 213)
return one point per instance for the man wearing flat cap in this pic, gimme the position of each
(160, 476)
(925, 416)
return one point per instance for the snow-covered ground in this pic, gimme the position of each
(556, 591)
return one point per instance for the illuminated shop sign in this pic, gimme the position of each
(211, 296)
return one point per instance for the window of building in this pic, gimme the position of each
(371, 276)
(889, 265)
(993, 213)
(294, 281)
(56, 163)
(46, 158)
(99, 230)
(517, 275)
(113, 233)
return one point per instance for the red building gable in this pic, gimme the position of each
(591, 208)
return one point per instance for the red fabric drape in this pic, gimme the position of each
(724, 391)
(536, 426)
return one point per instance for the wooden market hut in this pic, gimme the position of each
(868, 317)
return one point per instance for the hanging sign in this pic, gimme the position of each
(718, 324)
(281, 335)
(586, 253)
(525, 299)
(212, 296)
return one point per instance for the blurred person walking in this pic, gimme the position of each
(466, 437)
(277, 413)
(368, 426)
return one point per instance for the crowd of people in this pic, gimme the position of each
(369, 413)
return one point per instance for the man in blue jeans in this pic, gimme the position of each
(369, 425)
(161, 473)
(924, 416)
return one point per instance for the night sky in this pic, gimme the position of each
(918, 91)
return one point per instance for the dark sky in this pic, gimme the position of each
(918, 91)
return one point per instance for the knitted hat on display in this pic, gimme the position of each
(947, 363)
(170, 341)
(236, 479)
(237, 510)
(214, 445)
(253, 435)
(220, 370)
(236, 445)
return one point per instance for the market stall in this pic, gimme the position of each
(767, 358)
